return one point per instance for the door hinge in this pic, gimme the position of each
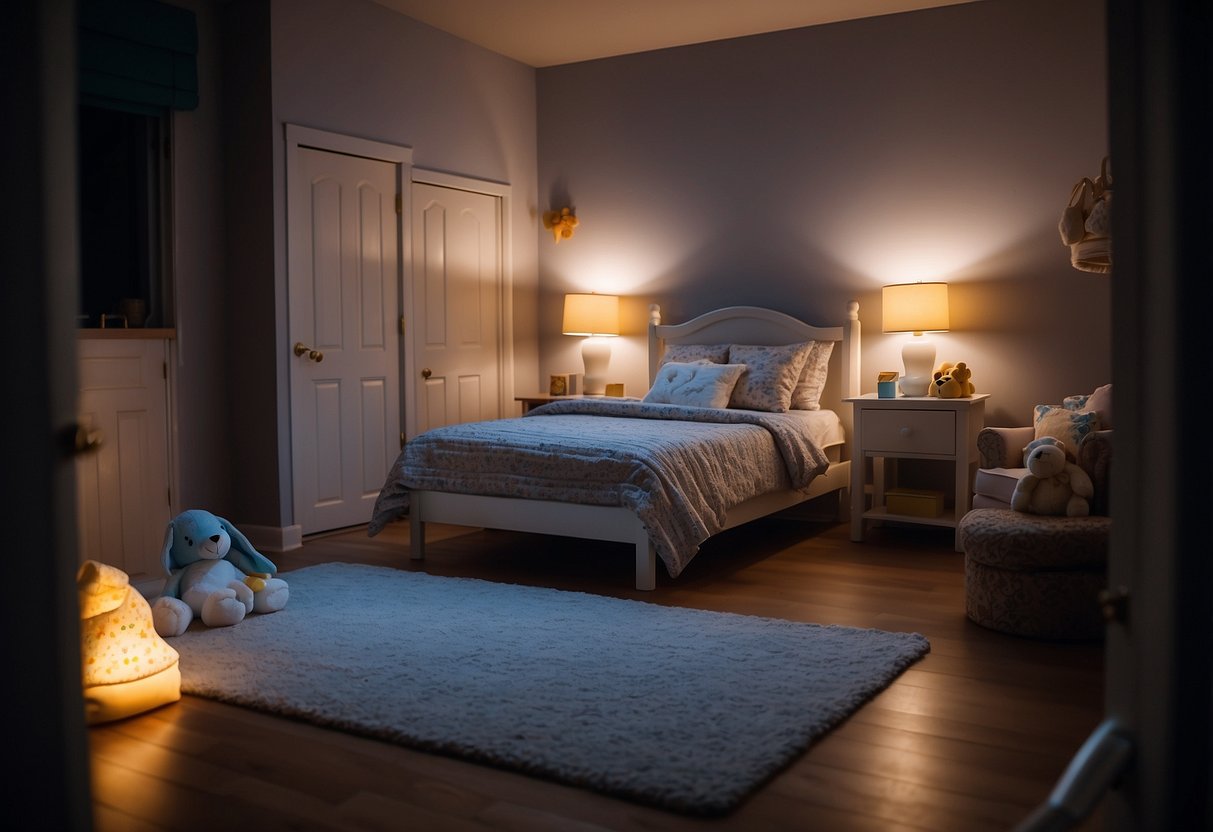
(164, 370)
(402, 439)
(399, 204)
(401, 324)
(169, 494)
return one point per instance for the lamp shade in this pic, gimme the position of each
(915, 307)
(591, 314)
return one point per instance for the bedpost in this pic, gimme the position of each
(416, 528)
(646, 564)
(850, 364)
(654, 345)
(851, 338)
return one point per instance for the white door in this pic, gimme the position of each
(456, 323)
(344, 337)
(122, 489)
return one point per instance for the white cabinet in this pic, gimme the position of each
(123, 499)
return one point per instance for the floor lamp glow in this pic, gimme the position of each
(595, 317)
(916, 308)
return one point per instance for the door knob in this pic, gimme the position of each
(426, 373)
(303, 349)
(78, 440)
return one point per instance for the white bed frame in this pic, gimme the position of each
(731, 325)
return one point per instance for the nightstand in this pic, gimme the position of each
(541, 398)
(913, 427)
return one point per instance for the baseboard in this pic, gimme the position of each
(274, 538)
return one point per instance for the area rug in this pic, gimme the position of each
(682, 709)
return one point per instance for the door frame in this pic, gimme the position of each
(298, 136)
(505, 300)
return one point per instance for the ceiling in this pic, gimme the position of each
(549, 32)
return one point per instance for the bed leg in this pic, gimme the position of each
(416, 532)
(646, 565)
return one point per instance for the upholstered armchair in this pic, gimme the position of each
(1000, 462)
(1034, 575)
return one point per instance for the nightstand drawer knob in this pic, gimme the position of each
(905, 431)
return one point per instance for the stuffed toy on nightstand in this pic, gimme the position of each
(1053, 484)
(215, 574)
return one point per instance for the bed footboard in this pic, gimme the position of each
(536, 516)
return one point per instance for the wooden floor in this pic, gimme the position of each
(970, 738)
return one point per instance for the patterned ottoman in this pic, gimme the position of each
(1035, 576)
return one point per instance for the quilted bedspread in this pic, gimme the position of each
(680, 469)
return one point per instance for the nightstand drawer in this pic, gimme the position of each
(909, 431)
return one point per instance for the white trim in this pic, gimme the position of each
(300, 136)
(273, 538)
(462, 183)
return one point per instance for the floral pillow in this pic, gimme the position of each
(770, 377)
(1069, 425)
(697, 384)
(807, 395)
(690, 353)
(1098, 402)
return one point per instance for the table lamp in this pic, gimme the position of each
(916, 308)
(595, 317)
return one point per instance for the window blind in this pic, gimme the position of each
(137, 55)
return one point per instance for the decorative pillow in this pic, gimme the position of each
(1098, 402)
(770, 377)
(1070, 426)
(689, 353)
(807, 395)
(698, 384)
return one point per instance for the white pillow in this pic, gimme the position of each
(807, 395)
(700, 384)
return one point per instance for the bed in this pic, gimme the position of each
(655, 474)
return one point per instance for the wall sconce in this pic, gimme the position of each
(595, 317)
(561, 223)
(916, 308)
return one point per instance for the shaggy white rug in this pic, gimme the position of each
(683, 709)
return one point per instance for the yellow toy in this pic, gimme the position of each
(952, 381)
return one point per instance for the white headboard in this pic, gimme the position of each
(756, 325)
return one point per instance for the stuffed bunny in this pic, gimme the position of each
(214, 573)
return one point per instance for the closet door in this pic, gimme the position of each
(457, 287)
(344, 349)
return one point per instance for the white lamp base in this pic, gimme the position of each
(596, 354)
(918, 357)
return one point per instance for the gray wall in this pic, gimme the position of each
(359, 69)
(203, 473)
(806, 168)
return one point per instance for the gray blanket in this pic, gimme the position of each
(680, 469)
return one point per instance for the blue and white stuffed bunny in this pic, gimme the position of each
(214, 573)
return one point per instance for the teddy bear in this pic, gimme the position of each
(952, 381)
(1053, 485)
(215, 574)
